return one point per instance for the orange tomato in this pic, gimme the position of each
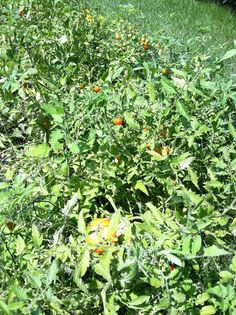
(99, 251)
(118, 121)
(165, 71)
(167, 150)
(148, 146)
(97, 89)
(145, 47)
(145, 129)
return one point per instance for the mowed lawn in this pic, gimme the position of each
(202, 26)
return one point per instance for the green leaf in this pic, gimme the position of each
(233, 164)
(193, 177)
(38, 151)
(196, 244)
(156, 213)
(130, 121)
(182, 110)
(103, 268)
(55, 136)
(74, 148)
(185, 163)
(186, 245)
(20, 245)
(83, 263)
(140, 186)
(232, 131)
(56, 110)
(208, 310)
(81, 223)
(36, 237)
(151, 89)
(20, 293)
(4, 307)
(142, 299)
(33, 279)
(214, 251)
(52, 272)
(226, 275)
(168, 86)
(229, 54)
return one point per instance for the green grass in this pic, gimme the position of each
(204, 27)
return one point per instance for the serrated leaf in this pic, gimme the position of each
(20, 245)
(151, 89)
(81, 223)
(4, 307)
(83, 263)
(38, 151)
(156, 213)
(20, 293)
(55, 136)
(33, 279)
(182, 110)
(233, 164)
(185, 163)
(130, 121)
(186, 245)
(142, 299)
(196, 244)
(229, 54)
(168, 86)
(213, 184)
(232, 130)
(214, 251)
(208, 310)
(36, 237)
(52, 272)
(193, 177)
(103, 268)
(140, 186)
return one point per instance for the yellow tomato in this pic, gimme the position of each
(98, 232)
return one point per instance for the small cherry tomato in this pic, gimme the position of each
(145, 129)
(26, 85)
(118, 121)
(99, 251)
(97, 89)
(145, 47)
(172, 267)
(117, 159)
(22, 12)
(165, 71)
(118, 37)
(10, 225)
(167, 149)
